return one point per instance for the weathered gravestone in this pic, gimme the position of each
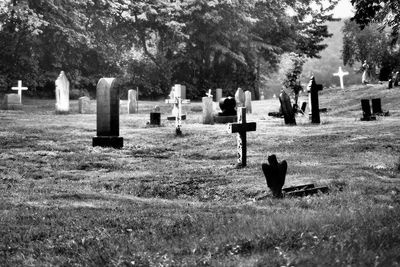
(218, 95)
(239, 97)
(241, 128)
(155, 116)
(341, 74)
(377, 108)
(366, 109)
(313, 90)
(62, 94)
(247, 103)
(396, 79)
(19, 88)
(275, 174)
(207, 117)
(11, 102)
(228, 108)
(107, 98)
(287, 109)
(132, 102)
(84, 105)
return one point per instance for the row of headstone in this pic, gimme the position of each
(376, 109)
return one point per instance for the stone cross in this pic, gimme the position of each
(62, 94)
(313, 90)
(178, 101)
(209, 93)
(341, 74)
(241, 128)
(19, 88)
(107, 98)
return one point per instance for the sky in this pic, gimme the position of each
(344, 9)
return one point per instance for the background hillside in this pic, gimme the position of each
(322, 68)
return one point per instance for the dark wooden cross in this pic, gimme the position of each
(241, 128)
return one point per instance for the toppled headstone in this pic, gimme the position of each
(275, 174)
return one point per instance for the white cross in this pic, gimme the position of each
(341, 74)
(178, 117)
(209, 93)
(19, 88)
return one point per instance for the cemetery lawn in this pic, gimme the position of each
(163, 200)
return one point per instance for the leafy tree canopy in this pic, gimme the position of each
(155, 43)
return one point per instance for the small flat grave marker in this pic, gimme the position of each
(241, 128)
(19, 88)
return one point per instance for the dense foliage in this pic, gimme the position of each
(372, 45)
(384, 12)
(154, 44)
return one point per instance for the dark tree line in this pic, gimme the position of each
(152, 44)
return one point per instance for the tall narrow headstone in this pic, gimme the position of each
(239, 97)
(84, 105)
(107, 98)
(132, 101)
(247, 104)
(366, 108)
(287, 109)
(313, 90)
(207, 110)
(62, 94)
(218, 95)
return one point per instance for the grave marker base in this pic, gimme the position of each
(172, 118)
(108, 141)
(225, 119)
(372, 118)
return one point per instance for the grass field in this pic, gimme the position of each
(164, 200)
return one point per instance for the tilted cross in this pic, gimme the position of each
(19, 88)
(178, 101)
(341, 74)
(241, 128)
